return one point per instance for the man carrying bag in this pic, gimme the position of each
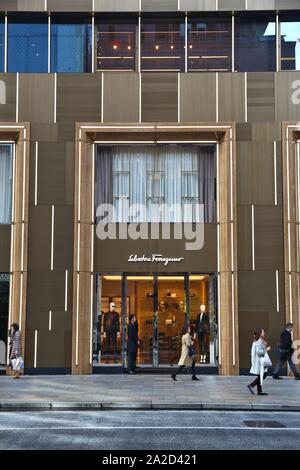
(286, 351)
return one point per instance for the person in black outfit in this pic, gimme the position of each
(286, 352)
(132, 343)
(111, 327)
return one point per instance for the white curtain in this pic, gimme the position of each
(5, 183)
(168, 181)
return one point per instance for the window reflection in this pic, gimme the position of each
(71, 44)
(255, 43)
(290, 42)
(116, 45)
(28, 43)
(209, 44)
(162, 45)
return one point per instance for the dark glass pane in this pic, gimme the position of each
(255, 43)
(71, 45)
(2, 40)
(162, 43)
(209, 44)
(28, 43)
(290, 42)
(116, 46)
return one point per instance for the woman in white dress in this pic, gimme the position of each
(260, 361)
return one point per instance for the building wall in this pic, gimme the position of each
(257, 102)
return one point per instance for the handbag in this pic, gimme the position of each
(192, 352)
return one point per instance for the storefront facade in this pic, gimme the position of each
(148, 113)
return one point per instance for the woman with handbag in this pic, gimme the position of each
(260, 361)
(15, 355)
(187, 358)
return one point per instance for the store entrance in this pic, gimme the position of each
(163, 304)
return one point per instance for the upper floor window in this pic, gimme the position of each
(6, 152)
(255, 43)
(157, 184)
(27, 43)
(162, 44)
(71, 43)
(210, 44)
(116, 44)
(290, 41)
(2, 42)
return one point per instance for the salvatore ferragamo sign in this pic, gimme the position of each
(153, 258)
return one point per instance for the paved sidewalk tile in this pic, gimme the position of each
(145, 391)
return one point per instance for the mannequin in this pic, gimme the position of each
(203, 333)
(111, 327)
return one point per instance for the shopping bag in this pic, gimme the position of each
(17, 363)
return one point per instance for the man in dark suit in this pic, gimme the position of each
(111, 327)
(132, 343)
(286, 352)
(203, 333)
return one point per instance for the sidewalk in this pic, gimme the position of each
(147, 392)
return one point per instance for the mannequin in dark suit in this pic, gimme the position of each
(203, 333)
(111, 327)
(286, 352)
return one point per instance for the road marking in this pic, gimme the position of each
(170, 428)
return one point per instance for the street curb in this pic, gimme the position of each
(155, 405)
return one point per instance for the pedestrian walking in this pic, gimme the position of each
(132, 343)
(15, 354)
(260, 361)
(286, 351)
(187, 358)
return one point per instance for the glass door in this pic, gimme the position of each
(140, 292)
(172, 315)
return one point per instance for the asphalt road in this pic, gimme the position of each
(148, 430)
